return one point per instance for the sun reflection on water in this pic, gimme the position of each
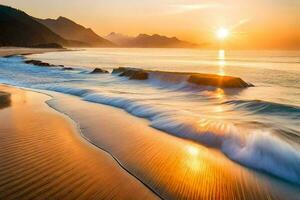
(219, 93)
(221, 54)
(192, 160)
(221, 62)
(192, 150)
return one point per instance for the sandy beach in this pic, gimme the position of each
(9, 51)
(42, 156)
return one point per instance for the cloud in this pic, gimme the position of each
(241, 23)
(182, 8)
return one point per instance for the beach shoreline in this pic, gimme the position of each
(170, 100)
(167, 164)
(158, 163)
(39, 160)
(12, 51)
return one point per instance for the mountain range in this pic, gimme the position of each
(20, 29)
(148, 41)
(70, 30)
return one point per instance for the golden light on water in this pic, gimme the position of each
(192, 150)
(219, 93)
(192, 161)
(221, 54)
(221, 62)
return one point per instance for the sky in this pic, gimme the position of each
(258, 24)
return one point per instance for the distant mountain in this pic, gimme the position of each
(148, 41)
(119, 39)
(70, 30)
(19, 29)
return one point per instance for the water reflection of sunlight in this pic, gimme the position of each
(219, 109)
(222, 62)
(221, 54)
(219, 93)
(192, 150)
(192, 160)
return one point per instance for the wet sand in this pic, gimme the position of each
(43, 157)
(9, 51)
(173, 167)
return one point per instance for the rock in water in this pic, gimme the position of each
(119, 70)
(99, 71)
(44, 64)
(132, 73)
(194, 78)
(139, 75)
(67, 68)
(38, 63)
(218, 81)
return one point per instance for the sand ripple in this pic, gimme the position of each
(42, 158)
(174, 168)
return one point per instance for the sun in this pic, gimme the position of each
(222, 33)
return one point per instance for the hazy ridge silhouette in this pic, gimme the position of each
(20, 29)
(148, 41)
(70, 30)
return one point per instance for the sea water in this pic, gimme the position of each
(258, 127)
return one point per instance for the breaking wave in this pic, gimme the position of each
(258, 149)
(264, 107)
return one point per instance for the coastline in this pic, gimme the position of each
(43, 156)
(122, 136)
(11, 51)
(172, 167)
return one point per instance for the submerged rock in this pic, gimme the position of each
(132, 73)
(129, 72)
(33, 62)
(119, 70)
(67, 68)
(139, 75)
(44, 64)
(99, 71)
(39, 63)
(9, 56)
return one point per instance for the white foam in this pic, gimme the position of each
(264, 151)
(168, 80)
(258, 149)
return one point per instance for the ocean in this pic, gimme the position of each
(257, 127)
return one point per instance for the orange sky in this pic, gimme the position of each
(254, 23)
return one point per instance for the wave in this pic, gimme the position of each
(264, 107)
(172, 81)
(258, 149)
